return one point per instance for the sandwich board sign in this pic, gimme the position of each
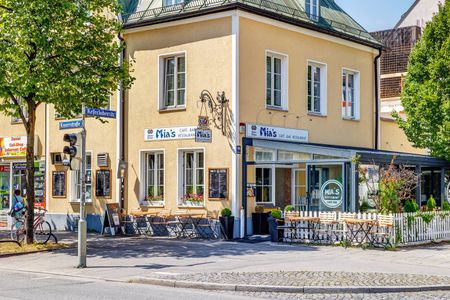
(111, 219)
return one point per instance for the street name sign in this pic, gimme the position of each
(100, 113)
(71, 124)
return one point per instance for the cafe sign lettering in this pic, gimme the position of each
(331, 193)
(173, 133)
(277, 133)
(14, 146)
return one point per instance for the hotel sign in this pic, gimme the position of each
(277, 133)
(173, 133)
(15, 146)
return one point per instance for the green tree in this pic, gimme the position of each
(426, 95)
(59, 52)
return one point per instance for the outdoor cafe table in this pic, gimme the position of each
(185, 219)
(311, 224)
(358, 230)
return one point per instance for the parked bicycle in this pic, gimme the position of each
(42, 228)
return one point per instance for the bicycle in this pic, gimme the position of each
(42, 229)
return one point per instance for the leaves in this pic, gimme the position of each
(426, 95)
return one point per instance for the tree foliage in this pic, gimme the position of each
(59, 52)
(426, 95)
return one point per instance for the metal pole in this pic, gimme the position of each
(82, 226)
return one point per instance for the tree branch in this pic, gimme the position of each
(19, 108)
(5, 8)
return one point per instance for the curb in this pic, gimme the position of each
(288, 289)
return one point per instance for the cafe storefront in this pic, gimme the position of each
(281, 168)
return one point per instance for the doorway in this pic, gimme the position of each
(325, 187)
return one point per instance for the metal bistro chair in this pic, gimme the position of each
(328, 224)
(382, 233)
(159, 223)
(343, 230)
(290, 227)
(207, 227)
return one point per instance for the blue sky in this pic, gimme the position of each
(375, 15)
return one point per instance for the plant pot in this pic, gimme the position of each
(260, 223)
(276, 235)
(227, 227)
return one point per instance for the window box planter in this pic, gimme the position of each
(155, 203)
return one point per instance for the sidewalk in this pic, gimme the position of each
(142, 259)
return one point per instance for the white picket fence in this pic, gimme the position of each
(421, 228)
(408, 228)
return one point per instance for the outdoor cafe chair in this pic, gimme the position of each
(159, 223)
(381, 233)
(289, 227)
(328, 226)
(207, 226)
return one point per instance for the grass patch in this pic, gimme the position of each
(12, 248)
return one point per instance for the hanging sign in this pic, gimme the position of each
(277, 133)
(203, 135)
(173, 133)
(331, 193)
(14, 146)
(203, 122)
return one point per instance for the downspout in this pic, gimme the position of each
(377, 100)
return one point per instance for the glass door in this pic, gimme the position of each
(326, 187)
(299, 189)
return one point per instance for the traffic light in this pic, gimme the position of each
(73, 150)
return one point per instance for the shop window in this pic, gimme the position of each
(76, 181)
(173, 82)
(350, 94)
(317, 88)
(5, 185)
(276, 81)
(192, 176)
(154, 176)
(264, 155)
(264, 185)
(312, 8)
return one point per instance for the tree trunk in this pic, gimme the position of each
(29, 222)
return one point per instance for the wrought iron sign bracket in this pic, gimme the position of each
(217, 107)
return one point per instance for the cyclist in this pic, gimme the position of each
(18, 205)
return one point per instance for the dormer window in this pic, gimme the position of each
(313, 9)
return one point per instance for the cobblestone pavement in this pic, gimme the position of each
(390, 296)
(307, 278)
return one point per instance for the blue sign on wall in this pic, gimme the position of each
(100, 113)
(71, 124)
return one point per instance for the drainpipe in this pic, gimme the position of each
(377, 100)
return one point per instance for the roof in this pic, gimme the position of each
(406, 13)
(333, 19)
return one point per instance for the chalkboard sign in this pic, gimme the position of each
(218, 184)
(59, 184)
(111, 218)
(103, 183)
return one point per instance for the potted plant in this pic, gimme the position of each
(227, 223)
(275, 219)
(259, 221)
(153, 200)
(289, 208)
(193, 199)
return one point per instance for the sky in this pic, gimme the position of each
(375, 15)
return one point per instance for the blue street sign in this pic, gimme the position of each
(71, 124)
(101, 113)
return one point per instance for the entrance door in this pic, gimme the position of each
(326, 187)
(299, 189)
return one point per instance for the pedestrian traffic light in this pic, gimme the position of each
(73, 150)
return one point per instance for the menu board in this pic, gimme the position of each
(218, 184)
(59, 184)
(103, 183)
(111, 219)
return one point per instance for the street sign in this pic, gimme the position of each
(71, 124)
(100, 113)
(203, 135)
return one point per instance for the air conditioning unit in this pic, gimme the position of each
(102, 160)
(56, 158)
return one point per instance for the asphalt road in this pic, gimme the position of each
(21, 285)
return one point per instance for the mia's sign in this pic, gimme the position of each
(277, 133)
(174, 133)
(203, 135)
(331, 193)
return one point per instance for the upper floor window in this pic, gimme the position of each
(317, 88)
(312, 9)
(173, 81)
(350, 94)
(276, 81)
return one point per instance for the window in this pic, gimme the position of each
(76, 181)
(16, 117)
(154, 176)
(350, 94)
(313, 9)
(276, 81)
(193, 182)
(264, 185)
(317, 88)
(173, 82)
(264, 155)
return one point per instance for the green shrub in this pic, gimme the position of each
(446, 206)
(410, 206)
(431, 204)
(276, 213)
(226, 212)
(259, 209)
(289, 208)
(364, 207)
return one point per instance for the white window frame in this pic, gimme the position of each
(323, 87)
(75, 179)
(313, 4)
(162, 81)
(284, 80)
(181, 174)
(263, 150)
(273, 185)
(143, 154)
(346, 112)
